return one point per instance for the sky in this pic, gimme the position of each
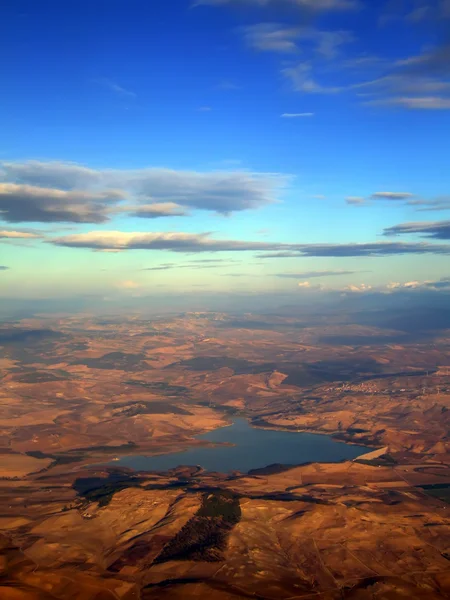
(266, 147)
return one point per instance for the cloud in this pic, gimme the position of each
(431, 205)
(203, 242)
(304, 284)
(358, 288)
(391, 196)
(79, 194)
(311, 5)
(128, 285)
(271, 37)
(356, 200)
(192, 265)
(415, 103)
(314, 274)
(438, 230)
(204, 109)
(302, 80)
(418, 82)
(443, 283)
(3, 268)
(26, 203)
(153, 211)
(54, 174)
(14, 235)
(177, 242)
(115, 87)
(296, 115)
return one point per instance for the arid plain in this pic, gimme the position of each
(77, 392)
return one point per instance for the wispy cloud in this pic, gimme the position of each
(115, 87)
(356, 200)
(315, 274)
(14, 235)
(271, 37)
(302, 80)
(392, 195)
(418, 82)
(438, 230)
(203, 242)
(296, 115)
(3, 268)
(157, 210)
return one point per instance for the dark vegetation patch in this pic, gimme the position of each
(329, 371)
(115, 360)
(58, 459)
(160, 386)
(223, 408)
(102, 489)
(150, 408)
(437, 490)
(127, 446)
(205, 535)
(17, 335)
(40, 377)
(382, 461)
(30, 345)
(271, 469)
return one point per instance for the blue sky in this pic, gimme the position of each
(300, 145)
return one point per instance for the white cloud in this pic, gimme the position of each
(14, 235)
(153, 211)
(296, 115)
(203, 242)
(302, 80)
(361, 288)
(271, 37)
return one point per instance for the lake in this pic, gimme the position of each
(253, 448)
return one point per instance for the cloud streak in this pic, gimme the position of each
(438, 230)
(7, 234)
(315, 274)
(203, 242)
(115, 87)
(296, 115)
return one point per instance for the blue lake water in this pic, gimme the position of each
(252, 448)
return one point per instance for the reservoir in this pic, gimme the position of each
(252, 448)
